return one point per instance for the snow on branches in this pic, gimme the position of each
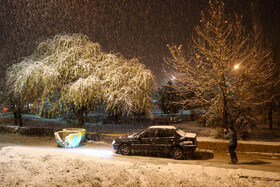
(219, 42)
(83, 75)
(227, 94)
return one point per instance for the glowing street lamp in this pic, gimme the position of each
(236, 66)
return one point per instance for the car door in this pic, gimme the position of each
(145, 141)
(164, 140)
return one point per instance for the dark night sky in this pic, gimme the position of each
(134, 28)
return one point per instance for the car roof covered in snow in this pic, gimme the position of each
(162, 127)
(191, 135)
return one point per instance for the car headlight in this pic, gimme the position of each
(113, 142)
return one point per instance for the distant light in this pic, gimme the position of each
(236, 66)
(5, 109)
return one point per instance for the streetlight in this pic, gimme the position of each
(236, 66)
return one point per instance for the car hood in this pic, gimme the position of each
(128, 136)
(131, 136)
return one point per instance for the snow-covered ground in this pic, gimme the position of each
(26, 166)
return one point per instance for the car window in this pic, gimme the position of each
(180, 132)
(148, 133)
(163, 133)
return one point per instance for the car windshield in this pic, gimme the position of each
(180, 132)
(137, 133)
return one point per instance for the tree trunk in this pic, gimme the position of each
(225, 117)
(117, 118)
(264, 116)
(225, 113)
(15, 117)
(80, 116)
(278, 118)
(270, 119)
(18, 116)
(224, 98)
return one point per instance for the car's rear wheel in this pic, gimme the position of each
(125, 149)
(177, 153)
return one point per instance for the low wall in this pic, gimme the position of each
(241, 147)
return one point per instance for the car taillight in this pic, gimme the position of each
(194, 141)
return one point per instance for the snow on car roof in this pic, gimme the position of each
(191, 135)
(162, 127)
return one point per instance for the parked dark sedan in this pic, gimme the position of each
(157, 139)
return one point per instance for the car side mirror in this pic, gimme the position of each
(139, 138)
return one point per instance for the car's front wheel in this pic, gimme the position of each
(177, 153)
(125, 149)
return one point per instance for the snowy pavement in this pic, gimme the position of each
(26, 166)
(86, 166)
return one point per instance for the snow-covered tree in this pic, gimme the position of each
(77, 70)
(218, 45)
(169, 99)
(228, 71)
(259, 84)
(128, 87)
